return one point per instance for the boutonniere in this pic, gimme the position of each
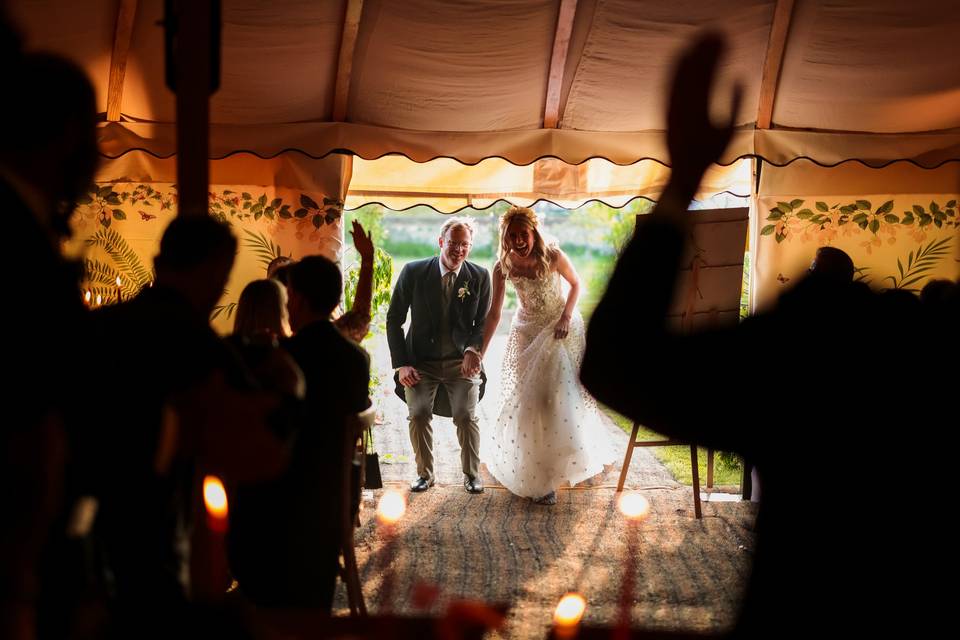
(464, 291)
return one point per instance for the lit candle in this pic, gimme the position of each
(119, 296)
(214, 577)
(635, 508)
(215, 500)
(567, 615)
(99, 300)
(86, 298)
(390, 510)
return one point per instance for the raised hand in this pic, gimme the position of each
(693, 140)
(362, 241)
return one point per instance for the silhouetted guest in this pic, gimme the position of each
(174, 396)
(938, 292)
(259, 509)
(291, 559)
(43, 170)
(275, 266)
(829, 392)
(833, 263)
(355, 322)
(259, 322)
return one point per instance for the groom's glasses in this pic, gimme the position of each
(460, 245)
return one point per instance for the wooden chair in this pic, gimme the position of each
(349, 519)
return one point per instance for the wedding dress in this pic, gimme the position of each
(549, 430)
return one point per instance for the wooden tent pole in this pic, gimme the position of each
(193, 44)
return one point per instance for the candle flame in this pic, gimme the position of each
(633, 505)
(569, 610)
(118, 281)
(215, 497)
(99, 299)
(391, 507)
(87, 296)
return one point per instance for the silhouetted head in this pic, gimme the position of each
(58, 157)
(262, 309)
(276, 265)
(196, 256)
(832, 264)
(936, 291)
(314, 289)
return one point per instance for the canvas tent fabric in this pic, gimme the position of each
(876, 80)
(445, 106)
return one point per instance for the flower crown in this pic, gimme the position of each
(522, 213)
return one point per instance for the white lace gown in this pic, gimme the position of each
(549, 431)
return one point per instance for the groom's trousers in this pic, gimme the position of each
(464, 394)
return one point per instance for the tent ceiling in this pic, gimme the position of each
(469, 79)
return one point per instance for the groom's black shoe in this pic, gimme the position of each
(421, 484)
(473, 485)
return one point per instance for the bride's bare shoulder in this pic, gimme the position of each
(555, 255)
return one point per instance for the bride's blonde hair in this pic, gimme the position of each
(541, 251)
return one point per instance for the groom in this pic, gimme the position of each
(448, 298)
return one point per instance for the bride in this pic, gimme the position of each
(549, 430)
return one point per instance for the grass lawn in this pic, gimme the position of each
(677, 459)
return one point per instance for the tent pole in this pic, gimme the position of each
(193, 54)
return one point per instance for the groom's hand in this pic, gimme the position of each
(470, 367)
(409, 377)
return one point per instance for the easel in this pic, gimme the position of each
(714, 256)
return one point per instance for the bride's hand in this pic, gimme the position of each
(562, 328)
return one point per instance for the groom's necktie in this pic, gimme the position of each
(447, 347)
(448, 279)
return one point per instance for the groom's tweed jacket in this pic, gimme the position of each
(418, 291)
